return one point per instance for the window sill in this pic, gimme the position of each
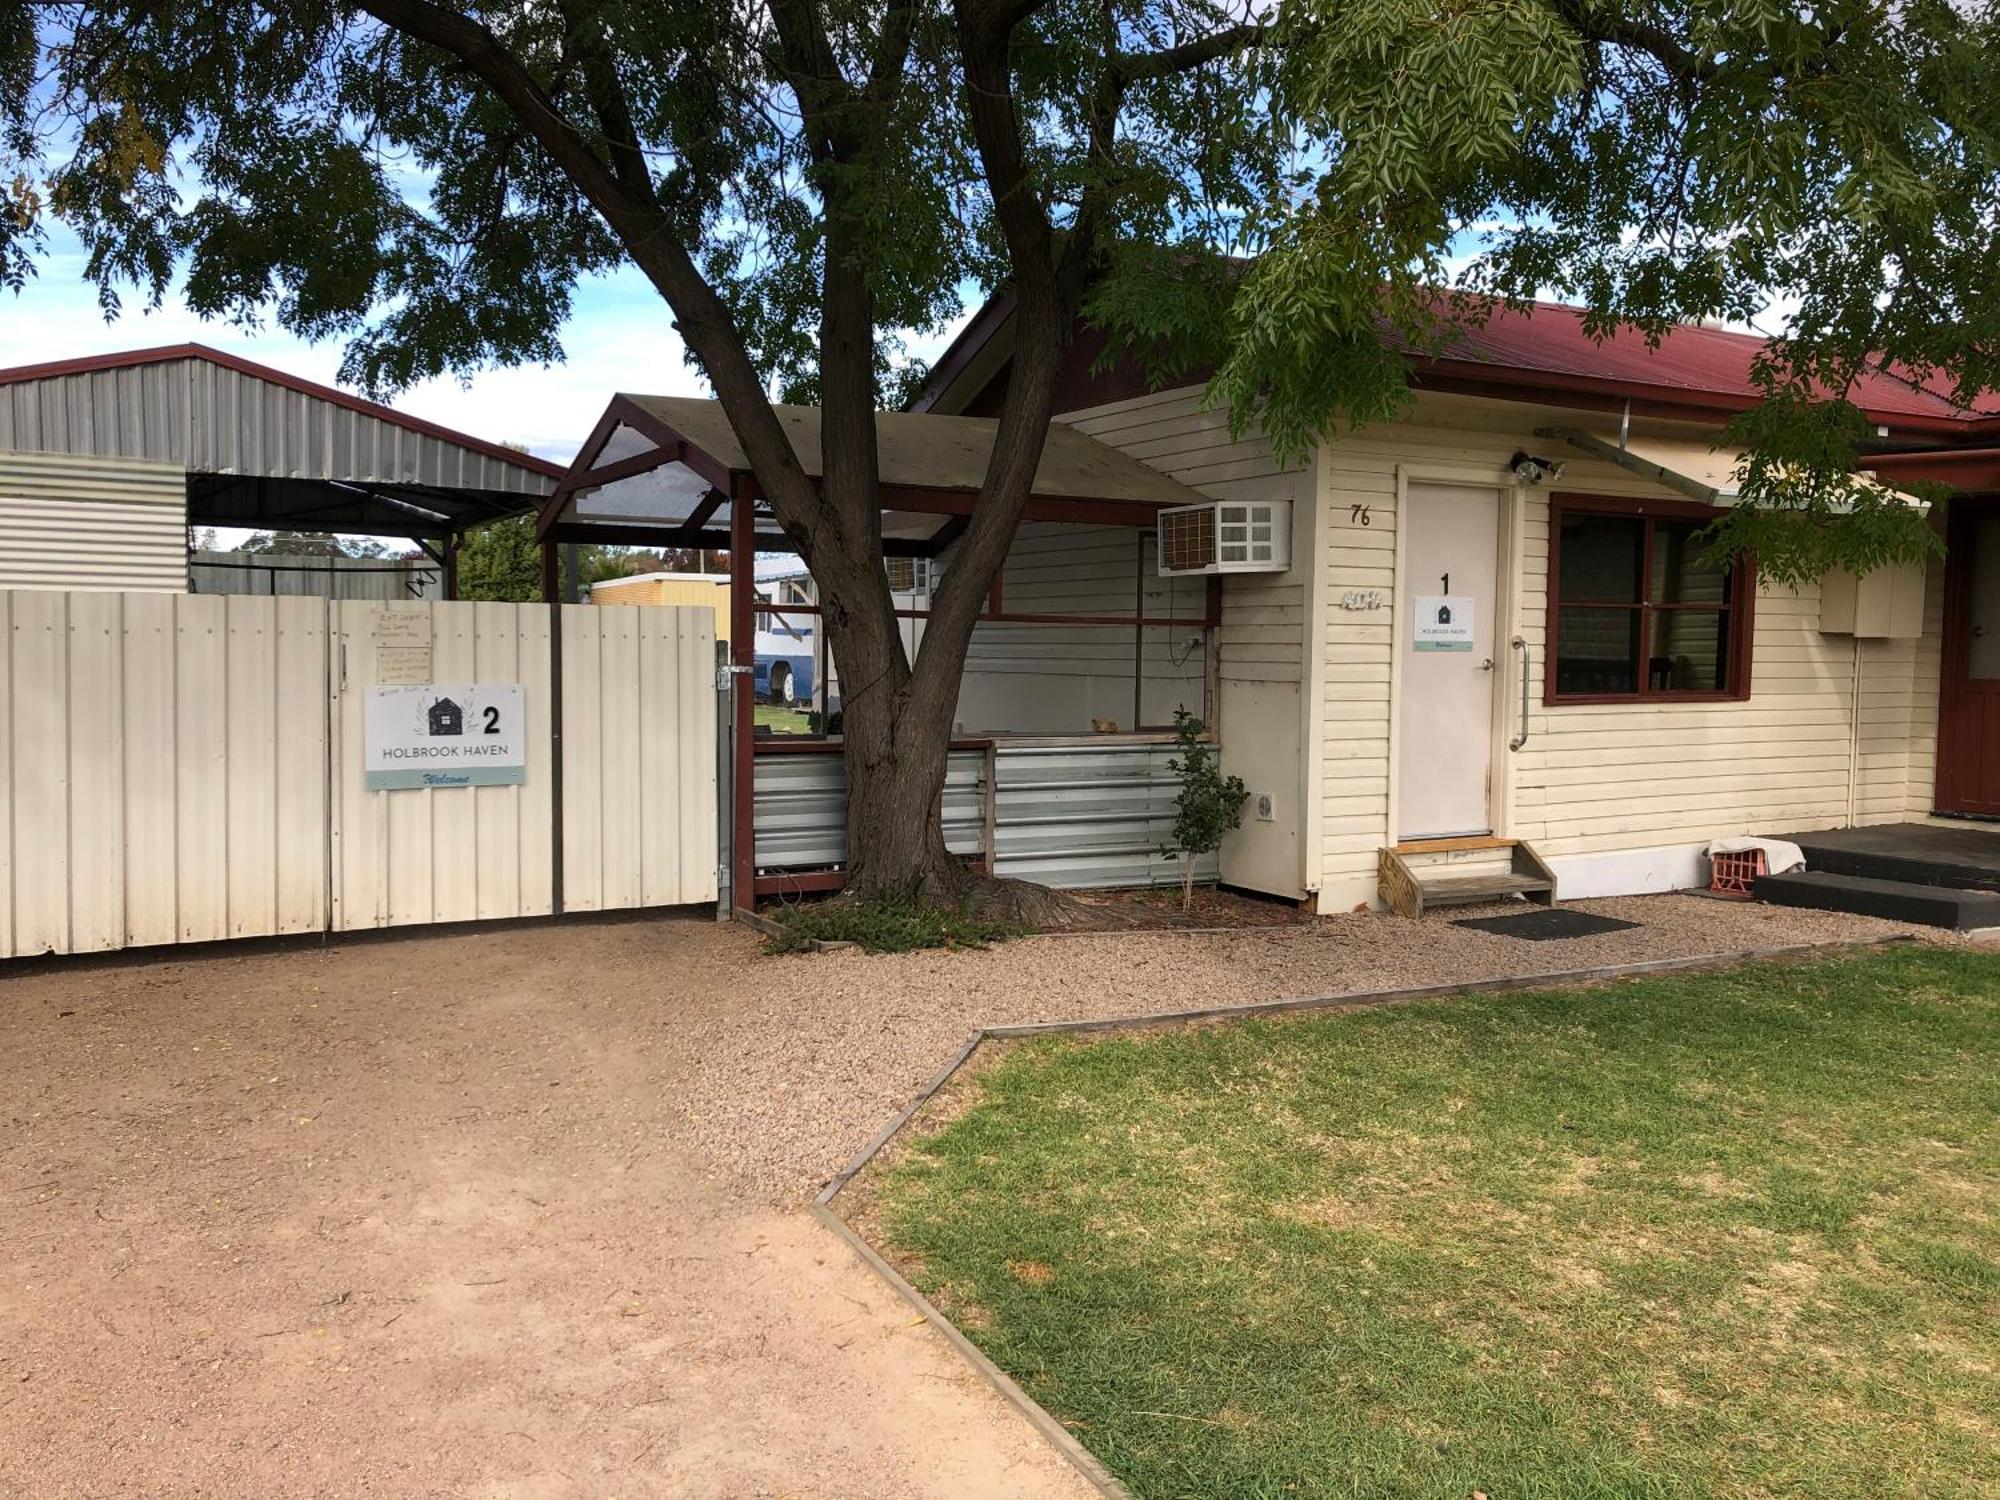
(1568, 700)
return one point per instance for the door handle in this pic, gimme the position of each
(1521, 735)
(1487, 665)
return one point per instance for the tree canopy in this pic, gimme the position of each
(1829, 172)
(1302, 197)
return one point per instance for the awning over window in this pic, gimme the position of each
(1709, 475)
(1687, 465)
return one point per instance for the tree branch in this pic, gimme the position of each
(641, 224)
(1597, 25)
(1137, 67)
(609, 104)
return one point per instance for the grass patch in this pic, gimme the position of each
(1730, 1234)
(883, 927)
(781, 720)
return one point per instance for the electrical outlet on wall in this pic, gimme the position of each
(1266, 808)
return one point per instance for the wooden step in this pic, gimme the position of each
(1460, 845)
(1467, 890)
(1411, 889)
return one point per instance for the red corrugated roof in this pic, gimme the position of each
(1700, 365)
(1542, 353)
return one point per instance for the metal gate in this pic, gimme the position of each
(182, 768)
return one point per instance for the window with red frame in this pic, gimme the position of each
(1636, 614)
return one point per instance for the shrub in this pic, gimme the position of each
(1210, 804)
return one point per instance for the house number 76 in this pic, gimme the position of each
(1358, 515)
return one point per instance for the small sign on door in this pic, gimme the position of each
(1443, 623)
(446, 734)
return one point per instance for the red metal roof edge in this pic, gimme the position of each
(168, 353)
(1527, 382)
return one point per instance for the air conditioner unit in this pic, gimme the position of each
(1225, 536)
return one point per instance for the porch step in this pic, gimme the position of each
(1466, 890)
(1893, 900)
(1415, 877)
(1912, 853)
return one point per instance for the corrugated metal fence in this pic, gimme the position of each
(91, 523)
(179, 768)
(1069, 813)
(273, 573)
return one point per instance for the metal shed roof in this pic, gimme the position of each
(264, 448)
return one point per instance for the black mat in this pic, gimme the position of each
(1545, 923)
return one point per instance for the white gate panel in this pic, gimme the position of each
(165, 767)
(639, 726)
(455, 853)
(185, 768)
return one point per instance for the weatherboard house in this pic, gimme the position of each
(1471, 651)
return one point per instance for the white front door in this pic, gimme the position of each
(1451, 540)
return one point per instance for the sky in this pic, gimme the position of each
(620, 337)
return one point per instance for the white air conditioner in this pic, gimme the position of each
(1225, 536)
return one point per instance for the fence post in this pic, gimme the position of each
(555, 610)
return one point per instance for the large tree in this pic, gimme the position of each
(805, 182)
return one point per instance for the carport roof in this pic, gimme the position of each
(673, 464)
(924, 450)
(263, 448)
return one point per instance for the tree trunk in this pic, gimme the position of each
(895, 744)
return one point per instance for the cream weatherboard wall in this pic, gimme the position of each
(1264, 676)
(1058, 679)
(183, 768)
(1620, 796)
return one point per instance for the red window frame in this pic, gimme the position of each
(1741, 609)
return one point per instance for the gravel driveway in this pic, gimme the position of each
(512, 1212)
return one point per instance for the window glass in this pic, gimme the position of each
(1680, 576)
(1597, 650)
(1689, 651)
(1601, 557)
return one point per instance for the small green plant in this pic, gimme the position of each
(1209, 805)
(896, 926)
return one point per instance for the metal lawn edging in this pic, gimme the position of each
(1087, 1464)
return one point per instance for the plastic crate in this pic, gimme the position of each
(1735, 875)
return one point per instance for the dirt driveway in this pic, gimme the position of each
(513, 1212)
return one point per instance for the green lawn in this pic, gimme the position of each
(781, 720)
(1722, 1235)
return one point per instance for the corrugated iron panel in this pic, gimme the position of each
(801, 812)
(1091, 814)
(264, 573)
(91, 523)
(242, 425)
(639, 712)
(138, 412)
(639, 804)
(1068, 815)
(166, 757)
(212, 419)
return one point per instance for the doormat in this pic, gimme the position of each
(1545, 923)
